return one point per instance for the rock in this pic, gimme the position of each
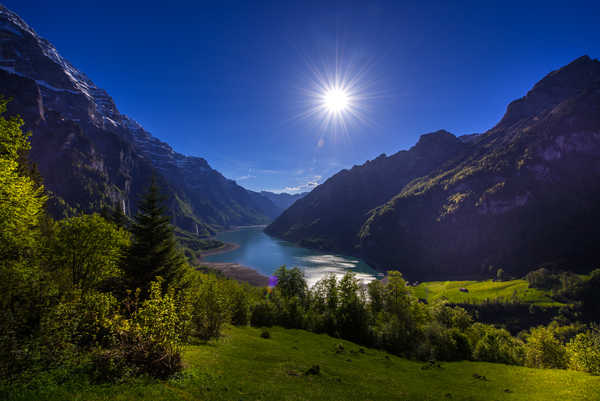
(314, 370)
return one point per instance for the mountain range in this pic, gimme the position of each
(92, 157)
(522, 194)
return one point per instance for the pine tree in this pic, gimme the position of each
(153, 250)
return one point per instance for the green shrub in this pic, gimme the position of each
(239, 304)
(210, 309)
(584, 352)
(263, 315)
(149, 342)
(497, 345)
(544, 350)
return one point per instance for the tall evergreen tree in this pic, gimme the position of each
(154, 251)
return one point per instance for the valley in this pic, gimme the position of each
(234, 254)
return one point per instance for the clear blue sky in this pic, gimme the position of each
(226, 80)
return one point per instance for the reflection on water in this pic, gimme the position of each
(265, 254)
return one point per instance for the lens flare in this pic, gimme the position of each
(336, 100)
(336, 97)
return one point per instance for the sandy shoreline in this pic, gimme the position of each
(233, 270)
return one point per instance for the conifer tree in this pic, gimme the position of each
(153, 250)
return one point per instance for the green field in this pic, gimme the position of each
(244, 366)
(480, 291)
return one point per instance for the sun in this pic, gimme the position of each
(336, 100)
(337, 95)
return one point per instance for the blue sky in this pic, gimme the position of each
(227, 81)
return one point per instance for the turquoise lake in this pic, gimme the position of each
(265, 254)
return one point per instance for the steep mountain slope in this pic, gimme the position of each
(92, 156)
(330, 216)
(524, 193)
(282, 200)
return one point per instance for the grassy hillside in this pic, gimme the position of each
(244, 366)
(480, 291)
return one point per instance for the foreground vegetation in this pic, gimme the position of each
(112, 300)
(242, 365)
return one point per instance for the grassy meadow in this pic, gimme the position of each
(243, 366)
(480, 291)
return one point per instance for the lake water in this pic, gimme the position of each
(265, 254)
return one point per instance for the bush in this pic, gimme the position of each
(584, 352)
(240, 305)
(263, 315)
(210, 310)
(147, 343)
(497, 345)
(544, 350)
(444, 344)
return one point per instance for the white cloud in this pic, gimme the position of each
(245, 177)
(307, 185)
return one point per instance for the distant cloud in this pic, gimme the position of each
(302, 187)
(245, 177)
(266, 171)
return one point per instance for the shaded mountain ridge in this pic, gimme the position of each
(524, 193)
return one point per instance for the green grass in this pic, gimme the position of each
(244, 366)
(480, 291)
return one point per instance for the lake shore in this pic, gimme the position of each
(226, 247)
(235, 271)
(238, 272)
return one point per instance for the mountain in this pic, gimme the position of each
(330, 216)
(524, 193)
(282, 200)
(91, 156)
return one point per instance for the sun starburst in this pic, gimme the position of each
(336, 98)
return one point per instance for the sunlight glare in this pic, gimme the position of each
(336, 100)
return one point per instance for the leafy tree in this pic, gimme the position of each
(396, 294)
(21, 199)
(291, 282)
(500, 275)
(210, 309)
(496, 345)
(375, 291)
(544, 350)
(584, 351)
(21, 211)
(153, 250)
(352, 312)
(87, 250)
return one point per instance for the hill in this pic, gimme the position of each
(523, 194)
(244, 366)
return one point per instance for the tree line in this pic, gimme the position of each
(112, 297)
